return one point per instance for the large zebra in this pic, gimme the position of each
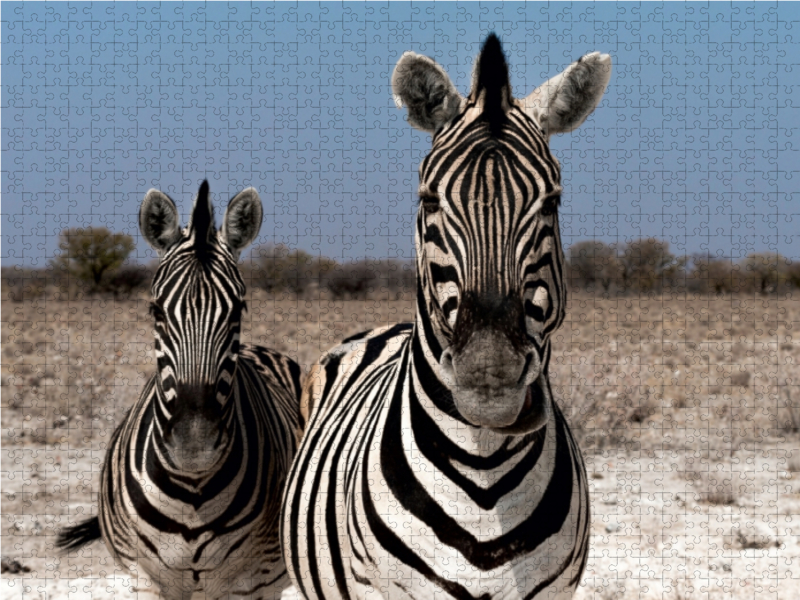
(435, 463)
(193, 478)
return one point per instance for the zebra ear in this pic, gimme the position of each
(242, 220)
(158, 221)
(562, 103)
(427, 92)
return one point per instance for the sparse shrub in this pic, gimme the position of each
(791, 421)
(762, 273)
(129, 280)
(352, 280)
(276, 268)
(90, 254)
(741, 378)
(712, 275)
(610, 420)
(21, 283)
(716, 487)
(647, 265)
(593, 265)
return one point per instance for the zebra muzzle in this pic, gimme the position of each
(495, 386)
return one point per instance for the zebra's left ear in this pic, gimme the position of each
(242, 220)
(562, 103)
(423, 87)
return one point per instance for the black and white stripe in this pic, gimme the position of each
(193, 477)
(435, 463)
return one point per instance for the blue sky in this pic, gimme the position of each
(693, 142)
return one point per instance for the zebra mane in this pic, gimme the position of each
(491, 76)
(202, 225)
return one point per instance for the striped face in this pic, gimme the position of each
(198, 299)
(197, 307)
(487, 228)
(490, 262)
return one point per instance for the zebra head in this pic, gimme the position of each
(489, 259)
(198, 299)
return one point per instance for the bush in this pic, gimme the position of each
(763, 273)
(275, 268)
(593, 263)
(21, 283)
(90, 254)
(129, 280)
(647, 265)
(712, 275)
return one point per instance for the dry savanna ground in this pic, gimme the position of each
(688, 411)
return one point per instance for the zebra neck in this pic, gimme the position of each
(486, 473)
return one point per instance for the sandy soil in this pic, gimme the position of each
(686, 411)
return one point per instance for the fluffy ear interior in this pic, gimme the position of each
(563, 103)
(158, 221)
(242, 220)
(423, 87)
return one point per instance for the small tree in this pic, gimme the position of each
(647, 264)
(594, 262)
(765, 271)
(88, 254)
(713, 275)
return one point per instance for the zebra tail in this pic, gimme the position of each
(77, 536)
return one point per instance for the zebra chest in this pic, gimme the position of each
(431, 526)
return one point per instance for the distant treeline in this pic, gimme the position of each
(646, 265)
(95, 262)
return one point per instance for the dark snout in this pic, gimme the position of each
(491, 382)
(196, 435)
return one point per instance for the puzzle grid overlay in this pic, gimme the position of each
(692, 144)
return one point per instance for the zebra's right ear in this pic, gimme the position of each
(158, 221)
(426, 91)
(242, 220)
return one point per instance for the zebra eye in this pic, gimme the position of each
(157, 312)
(430, 203)
(550, 206)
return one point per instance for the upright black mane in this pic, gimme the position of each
(492, 77)
(202, 222)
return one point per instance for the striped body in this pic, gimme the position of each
(218, 532)
(193, 479)
(435, 463)
(392, 497)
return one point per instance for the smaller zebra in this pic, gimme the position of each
(192, 482)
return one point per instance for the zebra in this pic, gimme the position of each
(193, 478)
(435, 462)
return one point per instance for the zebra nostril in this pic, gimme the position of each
(446, 365)
(447, 359)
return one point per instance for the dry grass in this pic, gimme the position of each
(663, 372)
(628, 372)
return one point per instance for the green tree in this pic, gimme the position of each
(91, 253)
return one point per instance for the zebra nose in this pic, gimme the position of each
(490, 380)
(488, 361)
